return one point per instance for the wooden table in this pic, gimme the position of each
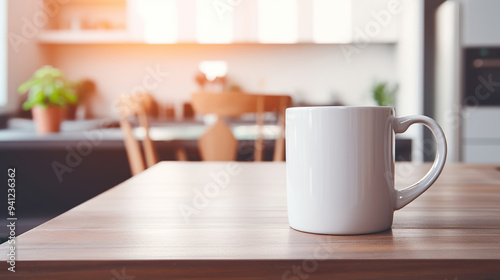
(240, 231)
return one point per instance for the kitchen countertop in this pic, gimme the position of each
(106, 133)
(21, 133)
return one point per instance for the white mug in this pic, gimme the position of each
(340, 168)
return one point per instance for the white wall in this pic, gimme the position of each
(310, 73)
(3, 53)
(25, 57)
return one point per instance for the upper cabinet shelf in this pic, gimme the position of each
(224, 22)
(96, 37)
(97, 2)
(86, 37)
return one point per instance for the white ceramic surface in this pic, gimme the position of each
(340, 168)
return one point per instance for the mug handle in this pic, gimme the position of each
(407, 195)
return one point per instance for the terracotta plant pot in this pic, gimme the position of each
(70, 112)
(48, 119)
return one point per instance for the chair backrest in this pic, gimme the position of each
(136, 107)
(218, 143)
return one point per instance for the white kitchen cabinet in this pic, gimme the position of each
(479, 18)
(482, 153)
(481, 135)
(376, 20)
(153, 21)
(227, 21)
(332, 21)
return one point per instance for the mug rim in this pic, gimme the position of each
(339, 107)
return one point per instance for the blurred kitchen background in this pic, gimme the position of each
(438, 58)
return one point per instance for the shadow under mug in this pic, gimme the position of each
(340, 168)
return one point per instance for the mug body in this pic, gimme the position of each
(340, 169)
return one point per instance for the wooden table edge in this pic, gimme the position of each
(263, 269)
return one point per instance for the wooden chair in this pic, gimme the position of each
(218, 143)
(137, 107)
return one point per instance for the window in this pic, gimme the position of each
(3, 53)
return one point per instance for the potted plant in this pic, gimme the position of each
(48, 94)
(383, 95)
(84, 90)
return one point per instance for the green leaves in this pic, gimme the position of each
(70, 96)
(24, 87)
(48, 71)
(48, 87)
(383, 95)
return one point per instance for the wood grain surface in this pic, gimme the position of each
(157, 226)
